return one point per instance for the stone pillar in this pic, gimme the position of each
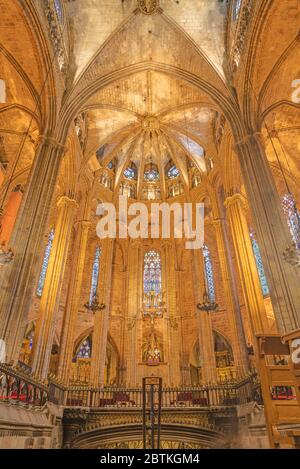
(171, 322)
(233, 310)
(73, 300)
(17, 279)
(272, 232)
(206, 338)
(133, 313)
(2, 174)
(45, 326)
(246, 264)
(101, 321)
(10, 214)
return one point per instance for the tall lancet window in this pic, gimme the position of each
(259, 264)
(152, 273)
(95, 275)
(43, 273)
(237, 9)
(209, 275)
(292, 216)
(58, 9)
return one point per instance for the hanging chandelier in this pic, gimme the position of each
(207, 305)
(94, 305)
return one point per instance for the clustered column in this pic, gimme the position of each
(172, 324)
(272, 231)
(133, 312)
(102, 317)
(233, 310)
(45, 327)
(246, 264)
(73, 299)
(206, 338)
(18, 278)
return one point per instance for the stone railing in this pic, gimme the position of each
(15, 387)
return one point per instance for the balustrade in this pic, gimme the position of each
(229, 394)
(16, 386)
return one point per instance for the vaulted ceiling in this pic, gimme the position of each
(150, 116)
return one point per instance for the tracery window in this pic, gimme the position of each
(43, 273)
(152, 273)
(209, 275)
(151, 175)
(85, 349)
(292, 216)
(173, 172)
(95, 275)
(130, 173)
(259, 264)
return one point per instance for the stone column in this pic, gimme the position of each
(233, 310)
(272, 232)
(10, 214)
(73, 300)
(206, 338)
(17, 279)
(2, 174)
(246, 264)
(171, 322)
(133, 313)
(45, 326)
(101, 321)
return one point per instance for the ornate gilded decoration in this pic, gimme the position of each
(148, 7)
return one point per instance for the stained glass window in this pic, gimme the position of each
(173, 172)
(292, 216)
(58, 9)
(85, 349)
(43, 273)
(152, 272)
(130, 173)
(259, 264)
(151, 175)
(95, 275)
(237, 9)
(209, 275)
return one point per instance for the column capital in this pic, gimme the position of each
(235, 199)
(245, 140)
(82, 224)
(51, 142)
(65, 200)
(218, 221)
